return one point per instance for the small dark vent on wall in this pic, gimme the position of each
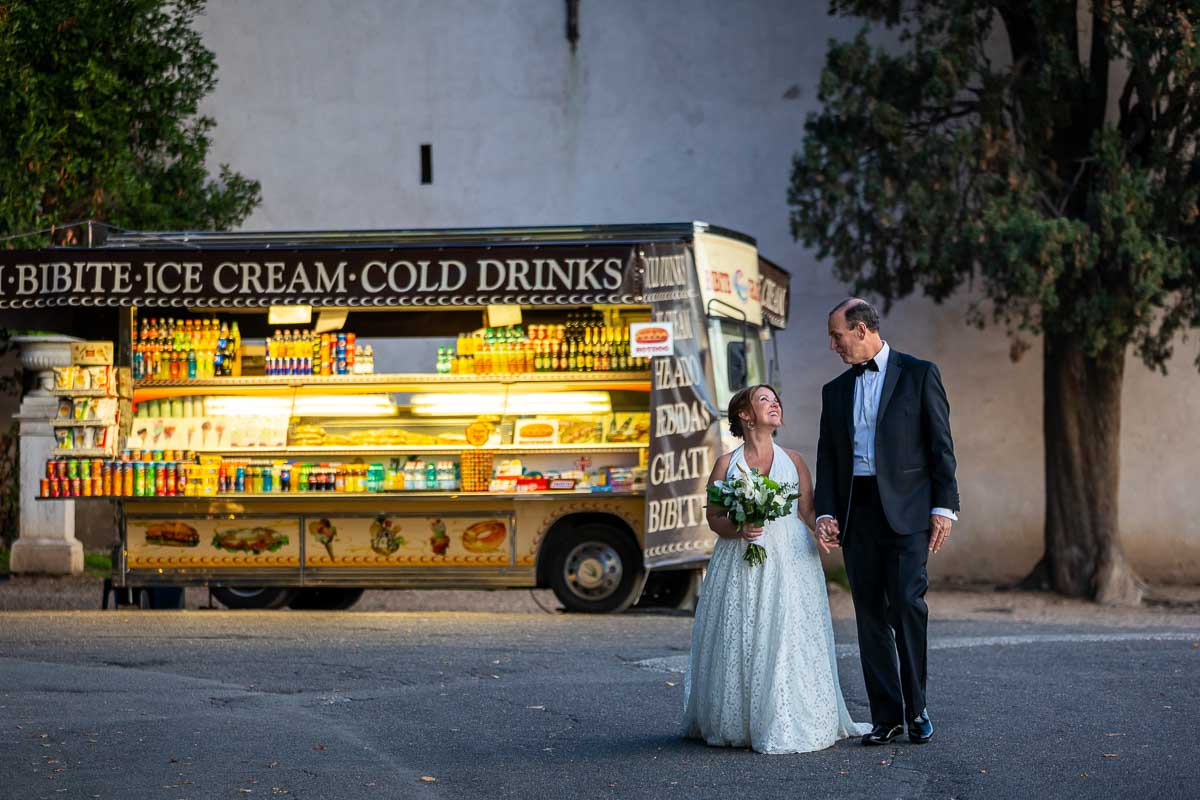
(573, 22)
(426, 163)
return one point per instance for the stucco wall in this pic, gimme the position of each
(668, 110)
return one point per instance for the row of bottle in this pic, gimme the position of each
(264, 477)
(297, 352)
(175, 350)
(592, 328)
(537, 356)
(170, 478)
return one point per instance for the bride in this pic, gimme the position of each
(762, 672)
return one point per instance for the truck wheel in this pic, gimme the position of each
(252, 597)
(595, 569)
(669, 589)
(325, 598)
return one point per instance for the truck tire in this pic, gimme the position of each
(238, 597)
(594, 568)
(325, 598)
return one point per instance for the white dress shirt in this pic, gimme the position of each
(868, 388)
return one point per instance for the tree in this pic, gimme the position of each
(99, 119)
(985, 147)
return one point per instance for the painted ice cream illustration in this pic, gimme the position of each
(439, 541)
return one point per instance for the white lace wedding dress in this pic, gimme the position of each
(763, 672)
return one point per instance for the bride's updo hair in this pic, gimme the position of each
(741, 402)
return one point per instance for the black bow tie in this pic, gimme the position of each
(870, 364)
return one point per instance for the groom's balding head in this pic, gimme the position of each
(854, 330)
(854, 310)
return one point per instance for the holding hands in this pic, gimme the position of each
(827, 534)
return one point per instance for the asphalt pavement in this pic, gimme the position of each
(218, 704)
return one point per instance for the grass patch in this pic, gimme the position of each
(838, 575)
(97, 564)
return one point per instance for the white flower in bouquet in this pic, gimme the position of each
(752, 499)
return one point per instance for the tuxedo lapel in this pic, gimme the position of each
(889, 384)
(848, 403)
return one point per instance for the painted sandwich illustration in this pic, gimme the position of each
(172, 533)
(250, 540)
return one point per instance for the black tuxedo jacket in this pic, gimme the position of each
(914, 453)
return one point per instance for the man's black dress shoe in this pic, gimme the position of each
(920, 730)
(882, 734)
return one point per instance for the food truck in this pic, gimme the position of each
(552, 422)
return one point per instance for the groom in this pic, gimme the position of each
(886, 494)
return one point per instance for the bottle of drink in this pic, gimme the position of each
(234, 355)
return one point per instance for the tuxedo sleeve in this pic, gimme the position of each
(939, 444)
(823, 492)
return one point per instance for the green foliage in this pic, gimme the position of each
(99, 119)
(985, 148)
(98, 565)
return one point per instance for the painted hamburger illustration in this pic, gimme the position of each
(484, 537)
(249, 540)
(172, 533)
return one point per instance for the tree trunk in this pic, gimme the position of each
(1082, 433)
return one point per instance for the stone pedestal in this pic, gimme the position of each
(46, 543)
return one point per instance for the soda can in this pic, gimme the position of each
(76, 487)
(45, 487)
(72, 468)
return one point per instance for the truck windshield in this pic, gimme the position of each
(737, 358)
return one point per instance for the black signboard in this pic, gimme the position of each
(774, 293)
(684, 434)
(353, 277)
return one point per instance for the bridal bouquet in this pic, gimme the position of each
(752, 499)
